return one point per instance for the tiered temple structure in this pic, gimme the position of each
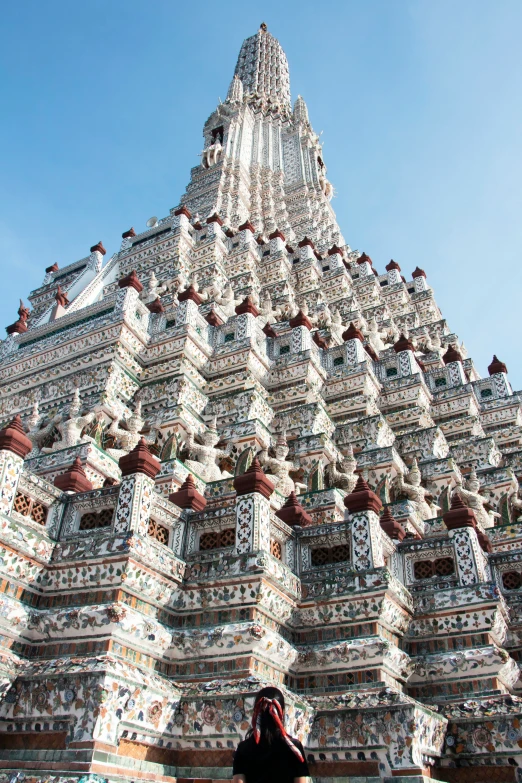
(235, 453)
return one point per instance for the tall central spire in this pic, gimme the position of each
(263, 68)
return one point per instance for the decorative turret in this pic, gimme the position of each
(235, 91)
(20, 326)
(98, 248)
(403, 344)
(362, 498)
(188, 496)
(293, 514)
(301, 111)
(390, 525)
(131, 281)
(139, 460)
(495, 367)
(365, 265)
(253, 480)
(262, 68)
(353, 333)
(14, 439)
(459, 515)
(394, 272)
(452, 355)
(74, 479)
(419, 279)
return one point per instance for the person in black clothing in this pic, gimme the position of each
(268, 754)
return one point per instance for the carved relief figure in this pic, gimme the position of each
(128, 438)
(469, 494)
(346, 478)
(205, 465)
(280, 468)
(412, 489)
(71, 426)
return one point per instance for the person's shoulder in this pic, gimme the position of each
(245, 744)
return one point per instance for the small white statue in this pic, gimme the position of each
(129, 438)
(154, 289)
(324, 317)
(280, 468)
(36, 434)
(211, 154)
(336, 327)
(413, 490)
(71, 426)
(265, 307)
(228, 302)
(346, 478)
(205, 465)
(469, 494)
(514, 501)
(375, 336)
(214, 290)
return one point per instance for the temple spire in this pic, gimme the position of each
(263, 68)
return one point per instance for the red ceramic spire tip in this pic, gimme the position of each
(13, 438)
(353, 333)
(362, 498)
(139, 460)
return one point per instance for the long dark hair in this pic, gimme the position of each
(270, 731)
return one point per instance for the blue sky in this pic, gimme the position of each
(419, 104)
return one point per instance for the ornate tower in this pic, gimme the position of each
(235, 453)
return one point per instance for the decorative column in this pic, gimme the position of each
(306, 249)
(363, 507)
(14, 448)
(138, 471)
(391, 527)
(453, 360)
(394, 273)
(407, 362)
(335, 258)
(301, 339)
(20, 326)
(365, 265)
(462, 525)
(353, 340)
(419, 280)
(214, 224)
(253, 490)
(126, 238)
(131, 288)
(74, 479)
(189, 499)
(246, 323)
(96, 257)
(497, 370)
(182, 218)
(277, 242)
(189, 301)
(246, 234)
(293, 514)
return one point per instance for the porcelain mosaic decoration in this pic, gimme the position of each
(235, 453)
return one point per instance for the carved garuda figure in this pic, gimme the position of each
(205, 465)
(470, 496)
(346, 478)
(279, 468)
(129, 438)
(71, 426)
(414, 491)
